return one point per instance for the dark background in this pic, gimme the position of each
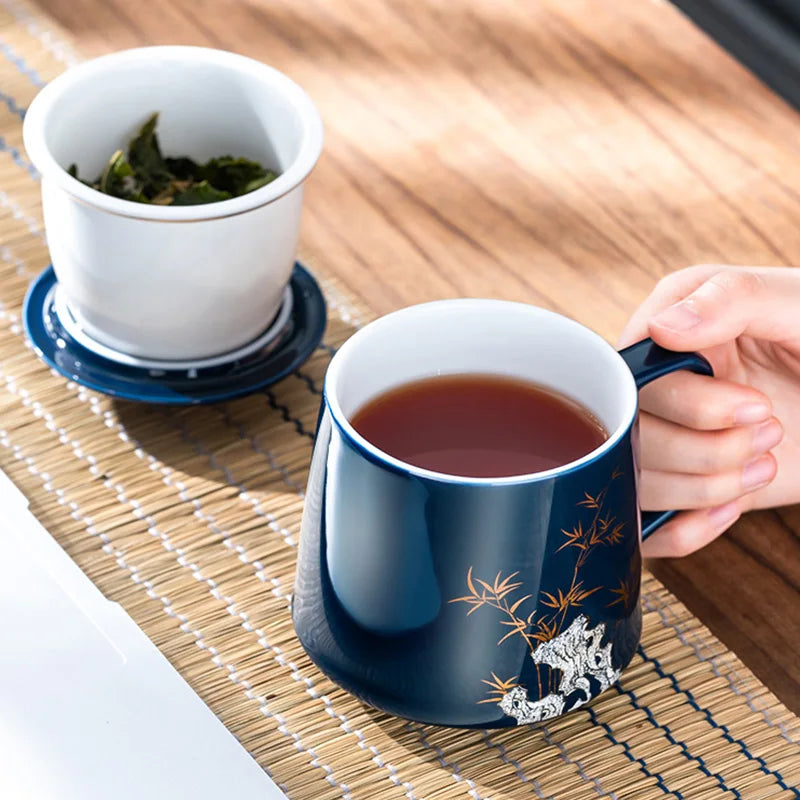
(763, 34)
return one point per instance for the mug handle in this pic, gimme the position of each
(648, 361)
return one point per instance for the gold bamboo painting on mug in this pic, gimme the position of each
(573, 654)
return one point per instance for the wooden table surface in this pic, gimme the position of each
(566, 153)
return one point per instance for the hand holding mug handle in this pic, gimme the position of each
(649, 361)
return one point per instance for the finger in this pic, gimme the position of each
(704, 403)
(659, 489)
(759, 303)
(691, 530)
(668, 290)
(667, 447)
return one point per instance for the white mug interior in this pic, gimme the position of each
(210, 103)
(496, 337)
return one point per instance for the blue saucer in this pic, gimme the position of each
(293, 345)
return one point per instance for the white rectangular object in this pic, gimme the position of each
(89, 708)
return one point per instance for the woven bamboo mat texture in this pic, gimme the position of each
(190, 519)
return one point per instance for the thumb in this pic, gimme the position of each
(760, 303)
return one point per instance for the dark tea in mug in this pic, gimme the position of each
(479, 426)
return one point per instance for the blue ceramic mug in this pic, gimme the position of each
(476, 602)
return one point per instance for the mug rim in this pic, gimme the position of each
(384, 459)
(34, 132)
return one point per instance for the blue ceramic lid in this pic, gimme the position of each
(282, 355)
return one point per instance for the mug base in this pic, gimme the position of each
(452, 715)
(126, 351)
(99, 343)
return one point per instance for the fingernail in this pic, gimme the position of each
(766, 436)
(680, 317)
(757, 473)
(748, 413)
(723, 516)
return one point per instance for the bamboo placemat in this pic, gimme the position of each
(190, 519)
